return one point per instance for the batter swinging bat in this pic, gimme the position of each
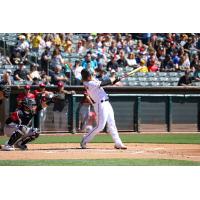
(131, 72)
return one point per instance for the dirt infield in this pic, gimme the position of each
(105, 151)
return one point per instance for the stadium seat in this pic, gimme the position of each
(165, 84)
(172, 74)
(174, 79)
(153, 79)
(155, 84)
(125, 82)
(8, 66)
(196, 83)
(133, 83)
(151, 74)
(128, 69)
(164, 79)
(144, 84)
(131, 79)
(174, 83)
(140, 74)
(142, 79)
(162, 74)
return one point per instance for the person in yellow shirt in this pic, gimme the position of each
(36, 42)
(143, 64)
(68, 46)
(57, 40)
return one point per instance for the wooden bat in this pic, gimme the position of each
(131, 72)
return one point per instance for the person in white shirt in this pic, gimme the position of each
(76, 69)
(102, 107)
(131, 60)
(23, 45)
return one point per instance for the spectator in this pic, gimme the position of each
(68, 46)
(122, 62)
(183, 63)
(35, 42)
(167, 65)
(112, 50)
(80, 48)
(48, 41)
(57, 58)
(35, 81)
(45, 60)
(129, 43)
(88, 59)
(143, 65)
(58, 75)
(112, 64)
(152, 67)
(131, 61)
(175, 59)
(21, 73)
(22, 45)
(90, 43)
(197, 74)
(34, 73)
(45, 79)
(113, 75)
(185, 80)
(194, 62)
(16, 57)
(76, 69)
(6, 78)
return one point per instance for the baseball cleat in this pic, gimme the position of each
(121, 147)
(83, 144)
(7, 148)
(20, 146)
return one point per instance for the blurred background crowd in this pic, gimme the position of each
(34, 58)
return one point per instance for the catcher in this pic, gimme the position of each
(18, 126)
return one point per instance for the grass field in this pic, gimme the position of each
(126, 138)
(103, 138)
(99, 162)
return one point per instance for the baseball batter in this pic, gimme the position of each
(102, 108)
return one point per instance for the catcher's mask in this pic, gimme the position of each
(29, 106)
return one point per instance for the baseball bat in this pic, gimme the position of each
(131, 72)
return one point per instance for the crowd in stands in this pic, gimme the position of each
(55, 57)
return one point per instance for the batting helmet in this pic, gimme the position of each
(85, 74)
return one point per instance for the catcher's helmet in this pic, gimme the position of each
(29, 105)
(85, 74)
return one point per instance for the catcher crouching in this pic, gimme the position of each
(19, 128)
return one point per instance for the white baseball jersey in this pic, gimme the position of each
(104, 112)
(95, 91)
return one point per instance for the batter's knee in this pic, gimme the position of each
(99, 128)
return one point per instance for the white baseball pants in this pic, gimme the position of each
(105, 114)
